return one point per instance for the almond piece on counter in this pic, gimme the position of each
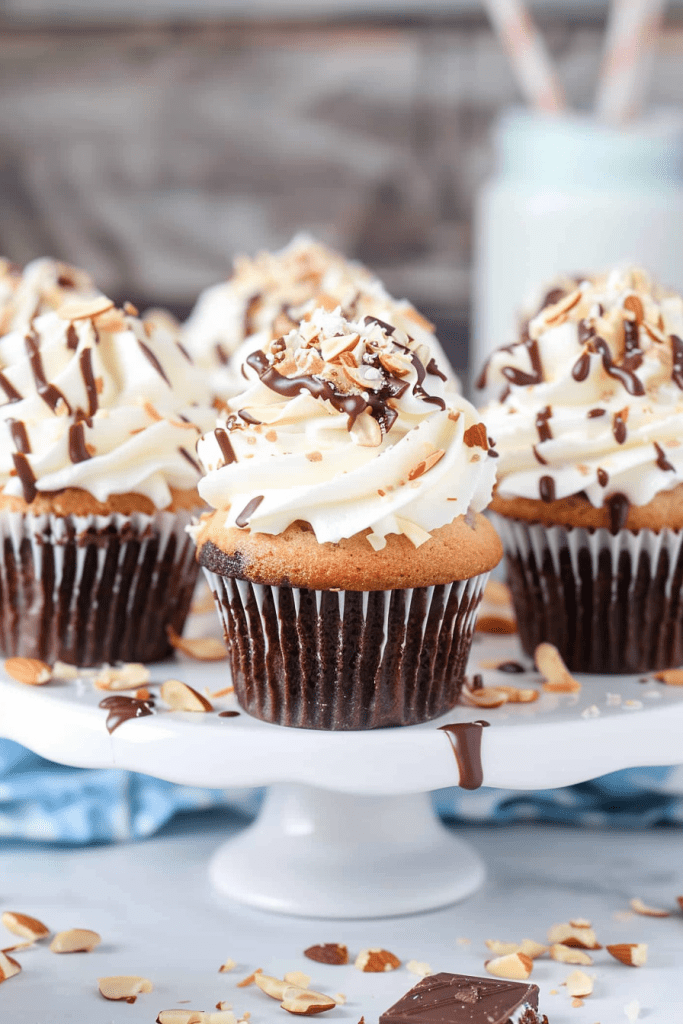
(8, 967)
(375, 961)
(229, 965)
(579, 985)
(201, 648)
(503, 948)
(297, 978)
(339, 998)
(532, 949)
(570, 935)
(181, 697)
(328, 953)
(60, 670)
(569, 955)
(124, 988)
(557, 677)
(75, 940)
(637, 905)
(123, 677)
(486, 697)
(180, 1017)
(514, 967)
(496, 624)
(250, 979)
(306, 1003)
(670, 676)
(633, 954)
(24, 926)
(30, 671)
(632, 1011)
(679, 900)
(417, 967)
(519, 694)
(271, 986)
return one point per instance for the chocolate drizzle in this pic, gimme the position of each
(677, 368)
(581, 367)
(603, 477)
(248, 418)
(542, 425)
(26, 476)
(71, 338)
(619, 427)
(465, 739)
(387, 328)
(9, 389)
(122, 708)
(593, 413)
(227, 450)
(432, 367)
(585, 331)
(546, 488)
(193, 462)
(78, 451)
(618, 507)
(662, 461)
(51, 395)
(247, 512)
(147, 352)
(519, 377)
(539, 458)
(19, 436)
(85, 362)
(633, 354)
(623, 374)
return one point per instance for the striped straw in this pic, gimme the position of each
(528, 54)
(631, 39)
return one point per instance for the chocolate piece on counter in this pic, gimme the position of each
(462, 999)
(512, 667)
(228, 714)
(122, 708)
(465, 738)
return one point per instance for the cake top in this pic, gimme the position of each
(268, 295)
(592, 394)
(43, 285)
(347, 425)
(462, 999)
(94, 400)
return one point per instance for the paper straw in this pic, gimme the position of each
(527, 51)
(632, 34)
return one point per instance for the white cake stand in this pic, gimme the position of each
(347, 829)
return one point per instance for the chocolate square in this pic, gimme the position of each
(460, 999)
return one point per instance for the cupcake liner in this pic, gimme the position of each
(341, 660)
(94, 589)
(610, 603)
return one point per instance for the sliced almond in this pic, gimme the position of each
(271, 986)
(633, 954)
(60, 670)
(181, 697)
(519, 694)
(395, 363)
(569, 955)
(30, 671)
(375, 961)
(426, 464)
(124, 988)
(111, 321)
(486, 697)
(84, 309)
(306, 1003)
(423, 970)
(502, 948)
(201, 648)
(125, 677)
(514, 967)
(569, 935)
(229, 965)
(75, 940)
(328, 953)
(670, 676)
(634, 305)
(579, 985)
(298, 978)
(330, 348)
(8, 967)
(24, 926)
(557, 676)
(181, 1017)
(476, 436)
(339, 998)
(17, 947)
(533, 949)
(580, 922)
(637, 905)
(366, 431)
(250, 979)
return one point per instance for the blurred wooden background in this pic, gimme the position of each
(150, 145)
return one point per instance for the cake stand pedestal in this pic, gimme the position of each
(347, 829)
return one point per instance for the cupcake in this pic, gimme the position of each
(347, 553)
(269, 295)
(98, 477)
(589, 500)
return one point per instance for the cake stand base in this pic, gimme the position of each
(316, 853)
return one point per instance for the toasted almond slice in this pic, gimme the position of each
(366, 431)
(181, 697)
(112, 321)
(514, 967)
(250, 979)
(298, 978)
(532, 949)
(30, 671)
(670, 676)
(180, 1017)
(557, 676)
(502, 948)
(225, 692)
(124, 988)
(569, 955)
(24, 926)
(125, 677)
(339, 998)
(637, 905)
(8, 967)
(519, 695)
(60, 670)
(222, 1005)
(75, 940)
(304, 1002)
(583, 938)
(476, 436)
(579, 985)
(580, 922)
(271, 986)
(17, 947)
(496, 624)
(423, 970)
(375, 961)
(330, 348)
(428, 463)
(84, 309)
(201, 648)
(633, 954)
(576, 1003)
(486, 697)
(229, 965)
(329, 953)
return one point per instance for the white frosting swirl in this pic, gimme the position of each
(268, 295)
(42, 286)
(355, 431)
(593, 399)
(94, 400)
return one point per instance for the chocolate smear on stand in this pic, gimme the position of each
(78, 451)
(151, 358)
(603, 477)
(546, 488)
(122, 708)
(227, 450)
(19, 436)
(542, 425)
(662, 461)
(512, 667)
(248, 511)
(26, 476)
(677, 369)
(465, 739)
(228, 714)
(618, 507)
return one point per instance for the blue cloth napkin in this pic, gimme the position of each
(47, 802)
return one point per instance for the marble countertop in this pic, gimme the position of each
(158, 917)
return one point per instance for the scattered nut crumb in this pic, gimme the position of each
(127, 677)
(670, 676)
(570, 935)
(123, 988)
(632, 1011)
(637, 905)
(502, 948)
(468, 942)
(250, 979)
(591, 712)
(569, 955)
(8, 967)
(375, 961)
(60, 670)
(229, 965)
(421, 969)
(297, 978)
(532, 949)
(579, 985)
(328, 953)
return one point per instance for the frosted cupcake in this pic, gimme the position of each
(347, 553)
(98, 482)
(270, 294)
(590, 480)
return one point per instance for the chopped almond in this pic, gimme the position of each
(557, 676)
(579, 985)
(24, 926)
(123, 988)
(569, 935)
(75, 940)
(201, 648)
(514, 967)
(8, 967)
(637, 905)
(30, 671)
(569, 955)
(375, 961)
(632, 954)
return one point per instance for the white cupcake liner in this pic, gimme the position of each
(94, 589)
(323, 659)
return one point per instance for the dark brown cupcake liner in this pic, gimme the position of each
(610, 603)
(91, 590)
(342, 660)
